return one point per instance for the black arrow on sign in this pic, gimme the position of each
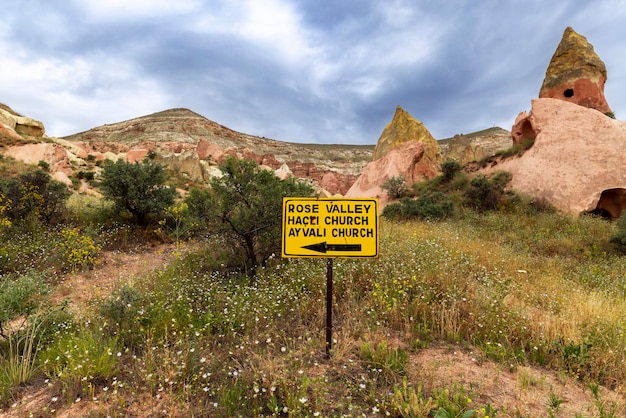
(323, 247)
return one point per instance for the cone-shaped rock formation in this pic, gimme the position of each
(576, 74)
(403, 128)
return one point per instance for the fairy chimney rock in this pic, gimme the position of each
(576, 74)
(404, 128)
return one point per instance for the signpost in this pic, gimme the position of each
(331, 228)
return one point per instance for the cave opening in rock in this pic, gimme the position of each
(611, 204)
(568, 93)
(528, 132)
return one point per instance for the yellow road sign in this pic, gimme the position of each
(329, 227)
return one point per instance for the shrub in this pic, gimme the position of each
(124, 309)
(198, 209)
(245, 207)
(618, 239)
(43, 165)
(137, 188)
(517, 149)
(449, 169)
(396, 187)
(20, 297)
(484, 194)
(431, 206)
(5, 206)
(79, 251)
(34, 195)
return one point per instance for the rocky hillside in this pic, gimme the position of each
(187, 127)
(192, 145)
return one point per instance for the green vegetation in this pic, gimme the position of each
(396, 187)
(244, 207)
(137, 188)
(503, 283)
(438, 198)
(32, 197)
(619, 237)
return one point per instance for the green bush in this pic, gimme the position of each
(431, 206)
(34, 195)
(449, 169)
(124, 309)
(245, 207)
(20, 297)
(137, 188)
(484, 194)
(396, 187)
(618, 239)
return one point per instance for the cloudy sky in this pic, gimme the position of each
(325, 71)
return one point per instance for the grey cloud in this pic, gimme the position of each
(454, 65)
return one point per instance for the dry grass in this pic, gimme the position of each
(476, 313)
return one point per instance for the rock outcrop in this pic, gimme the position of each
(404, 128)
(15, 127)
(404, 160)
(467, 148)
(576, 74)
(576, 162)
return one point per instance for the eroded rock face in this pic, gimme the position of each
(14, 126)
(567, 169)
(402, 161)
(475, 146)
(524, 128)
(576, 74)
(54, 155)
(404, 128)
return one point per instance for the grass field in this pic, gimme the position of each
(537, 300)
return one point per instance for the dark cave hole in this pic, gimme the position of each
(611, 204)
(568, 93)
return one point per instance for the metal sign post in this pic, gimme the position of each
(329, 306)
(330, 228)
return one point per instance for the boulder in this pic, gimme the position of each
(14, 126)
(576, 162)
(26, 126)
(283, 172)
(207, 150)
(136, 155)
(7, 118)
(404, 128)
(402, 161)
(7, 134)
(576, 74)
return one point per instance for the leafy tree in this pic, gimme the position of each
(245, 207)
(137, 188)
